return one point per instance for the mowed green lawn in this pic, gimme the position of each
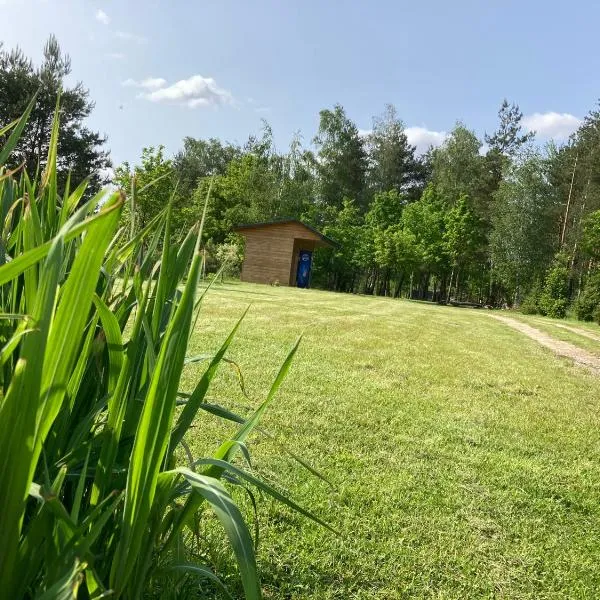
(464, 458)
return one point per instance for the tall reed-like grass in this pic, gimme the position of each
(93, 339)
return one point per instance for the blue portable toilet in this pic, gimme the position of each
(304, 265)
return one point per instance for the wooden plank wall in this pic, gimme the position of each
(271, 252)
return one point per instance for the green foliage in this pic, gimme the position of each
(230, 256)
(523, 240)
(553, 300)
(452, 223)
(591, 235)
(457, 166)
(509, 137)
(385, 209)
(424, 221)
(153, 181)
(392, 162)
(342, 164)
(94, 337)
(200, 159)
(587, 306)
(460, 232)
(531, 303)
(81, 149)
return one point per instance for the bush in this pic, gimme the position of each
(229, 257)
(93, 348)
(531, 303)
(553, 301)
(587, 307)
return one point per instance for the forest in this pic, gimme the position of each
(500, 221)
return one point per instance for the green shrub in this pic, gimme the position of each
(587, 307)
(230, 256)
(553, 301)
(93, 341)
(531, 303)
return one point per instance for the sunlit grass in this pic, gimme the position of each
(465, 458)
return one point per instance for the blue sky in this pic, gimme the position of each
(159, 70)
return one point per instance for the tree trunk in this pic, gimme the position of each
(564, 227)
(398, 289)
(450, 286)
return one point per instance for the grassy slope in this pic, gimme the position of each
(465, 458)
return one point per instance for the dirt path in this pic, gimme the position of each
(578, 331)
(579, 356)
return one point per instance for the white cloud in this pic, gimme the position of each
(102, 17)
(551, 125)
(150, 83)
(153, 83)
(422, 138)
(193, 92)
(115, 55)
(130, 37)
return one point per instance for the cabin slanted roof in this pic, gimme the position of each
(326, 240)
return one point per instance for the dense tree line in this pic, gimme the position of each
(498, 221)
(505, 223)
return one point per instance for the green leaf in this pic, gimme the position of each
(17, 131)
(261, 485)
(201, 572)
(112, 333)
(227, 451)
(72, 229)
(71, 316)
(153, 433)
(188, 414)
(19, 415)
(80, 488)
(67, 587)
(231, 518)
(117, 403)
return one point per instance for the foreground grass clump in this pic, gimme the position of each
(94, 340)
(465, 457)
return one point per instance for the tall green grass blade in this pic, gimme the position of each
(252, 422)
(71, 202)
(71, 315)
(164, 277)
(73, 229)
(264, 487)
(191, 408)
(11, 346)
(201, 572)
(229, 448)
(80, 488)
(153, 433)
(15, 135)
(67, 588)
(49, 177)
(114, 341)
(231, 518)
(4, 130)
(19, 415)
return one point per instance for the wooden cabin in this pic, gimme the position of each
(280, 252)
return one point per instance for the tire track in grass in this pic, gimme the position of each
(578, 331)
(577, 355)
